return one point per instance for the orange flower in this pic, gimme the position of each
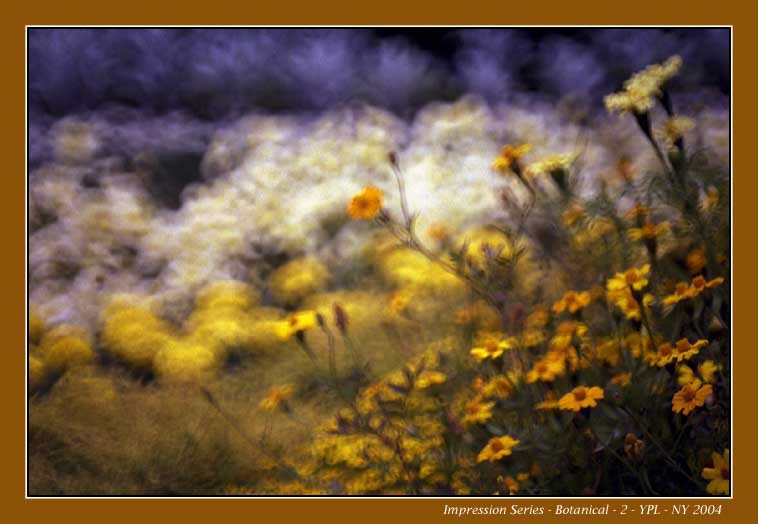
(509, 155)
(277, 396)
(438, 232)
(647, 231)
(478, 412)
(691, 396)
(718, 474)
(581, 397)
(699, 284)
(497, 448)
(546, 369)
(572, 301)
(366, 204)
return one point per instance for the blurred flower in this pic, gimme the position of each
(581, 397)
(398, 302)
(633, 278)
(510, 484)
(624, 300)
(691, 396)
(572, 214)
(682, 291)
(625, 170)
(492, 347)
(696, 261)
(640, 90)
(477, 412)
(538, 317)
(622, 379)
(430, 378)
(708, 370)
(497, 387)
(699, 284)
(438, 232)
(65, 346)
(552, 164)
(673, 130)
(297, 279)
(366, 204)
(295, 323)
(572, 301)
(648, 230)
(710, 200)
(546, 369)
(633, 447)
(508, 155)
(685, 375)
(277, 396)
(497, 448)
(718, 474)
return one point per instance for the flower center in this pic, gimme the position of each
(497, 445)
(682, 346)
(631, 277)
(725, 473)
(689, 395)
(580, 394)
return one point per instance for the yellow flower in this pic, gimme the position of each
(572, 301)
(708, 370)
(509, 154)
(398, 302)
(682, 350)
(552, 164)
(572, 214)
(277, 396)
(691, 396)
(298, 279)
(622, 379)
(550, 402)
(638, 213)
(478, 412)
(497, 448)
(696, 261)
(366, 204)
(640, 90)
(66, 346)
(538, 317)
(681, 292)
(497, 387)
(546, 369)
(294, 323)
(649, 230)
(700, 284)
(685, 375)
(673, 130)
(430, 378)
(685, 350)
(633, 278)
(509, 483)
(491, 348)
(581, 397)
(718, 474)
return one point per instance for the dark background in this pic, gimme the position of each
(219, 72)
